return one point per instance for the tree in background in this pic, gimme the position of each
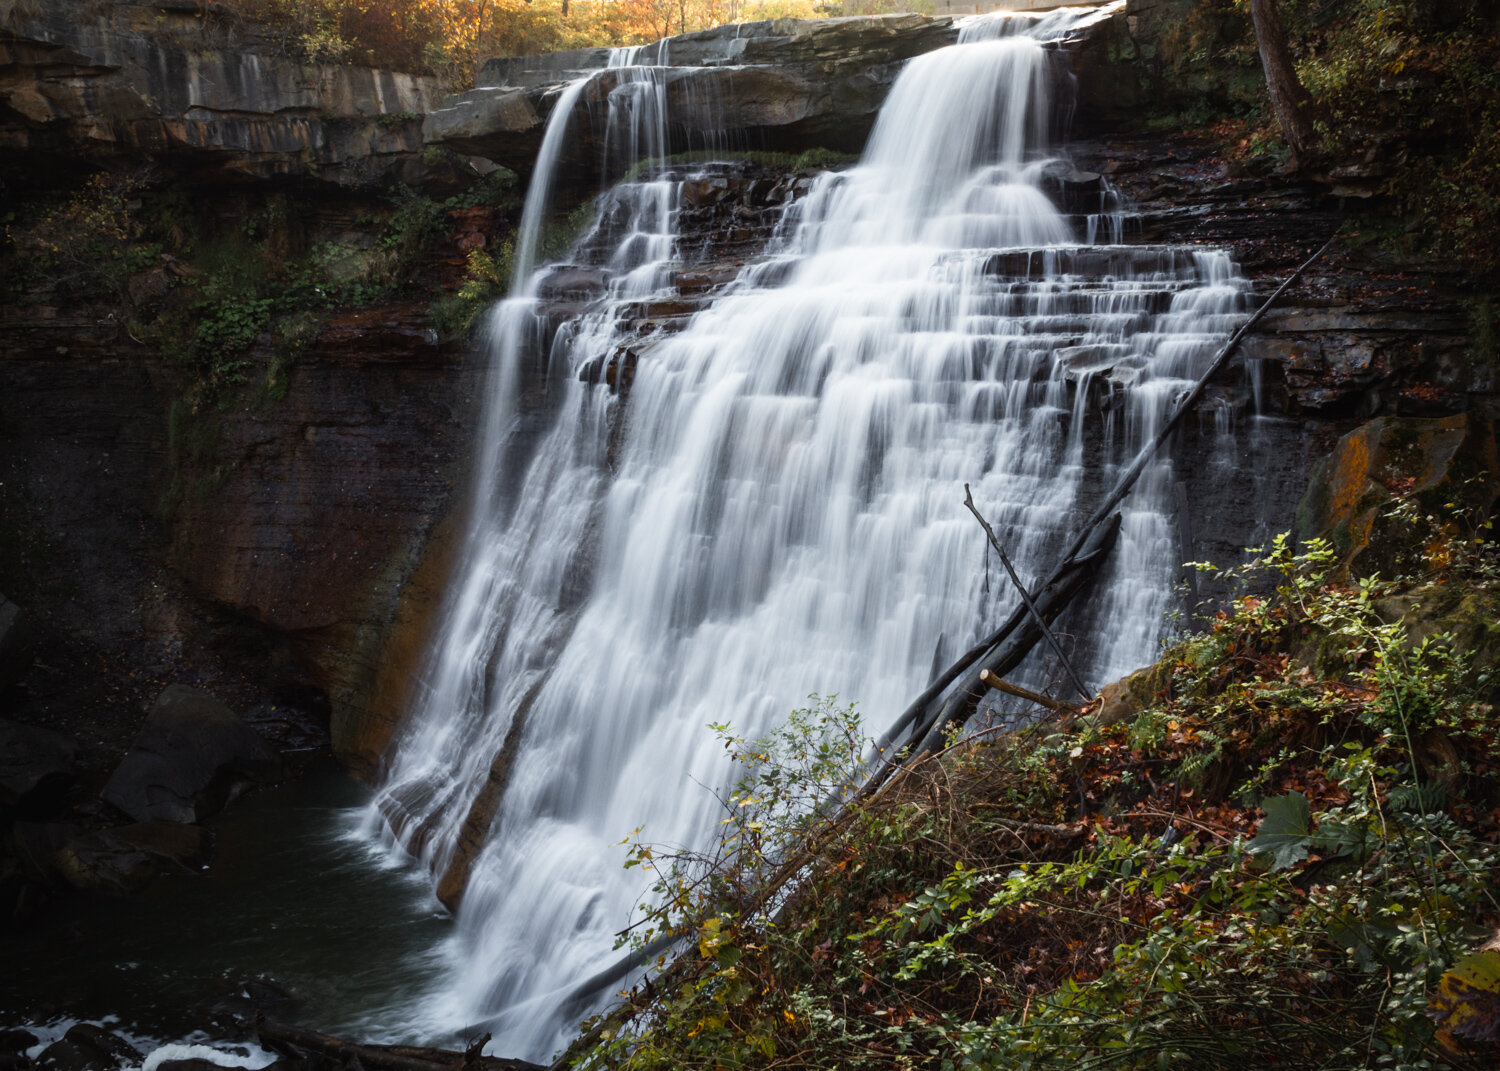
(453, 38)
(1288, 97)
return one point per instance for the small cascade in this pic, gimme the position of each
(709, 524)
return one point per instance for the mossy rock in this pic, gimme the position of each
(1445, 467)
(1470, 616)
(1127, 697)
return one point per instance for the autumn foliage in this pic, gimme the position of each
(1279, 852)
(452, 38)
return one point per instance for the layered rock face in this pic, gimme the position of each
(1361, 334)
(784, 85)
(247, 545)
(268, 569)
(324, 500)
(127, 81)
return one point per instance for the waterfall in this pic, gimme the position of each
(776, 508)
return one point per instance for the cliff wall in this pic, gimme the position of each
(253, 509)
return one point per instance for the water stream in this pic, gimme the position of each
(777, 507)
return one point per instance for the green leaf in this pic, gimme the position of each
(1286, 830)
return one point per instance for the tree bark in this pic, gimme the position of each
(1288, 97)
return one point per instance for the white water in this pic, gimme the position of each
(781, 513)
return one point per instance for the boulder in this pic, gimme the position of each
(1126, 698)
(37, 768)
(121, 861)
(64, 1055)
(1441, 468)
(17, 1041)
(191, 757)
(87, 1048)
(92, 863)
(97, 1037)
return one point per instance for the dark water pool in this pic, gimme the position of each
(293, 897)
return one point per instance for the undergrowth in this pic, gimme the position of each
(488, 276)
(230, 296)
(1285, 857)
(1404, 96)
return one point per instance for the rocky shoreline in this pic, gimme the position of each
(260, 1043)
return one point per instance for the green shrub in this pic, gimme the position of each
(1262, 869)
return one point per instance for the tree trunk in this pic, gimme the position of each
(1288, 97)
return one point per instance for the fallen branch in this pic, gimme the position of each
(1184, 403)
(914, 715)
(999, 652)
(999, 685)
(996, 653)
(1078, 573)
(1041, 621)
(1066, 832)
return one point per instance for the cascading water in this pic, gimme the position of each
(781, 513)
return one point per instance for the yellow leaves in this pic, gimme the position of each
(711, 937)
(1467, 1001)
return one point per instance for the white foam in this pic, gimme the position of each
(243, 1054)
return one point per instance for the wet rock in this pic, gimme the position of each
(17, 1040)
(120, 861)
(95, 863)
(191, 757)
(570, 282)
(197, 1064)
(87, 1048)
(14, 1043)
(17, 638)
(703, 281)
(780, 84)
(64, 1055)
(696, 192)
(96, 1037)
(666, 308)
(1091, 360)
(253, 999)
(37, 768)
